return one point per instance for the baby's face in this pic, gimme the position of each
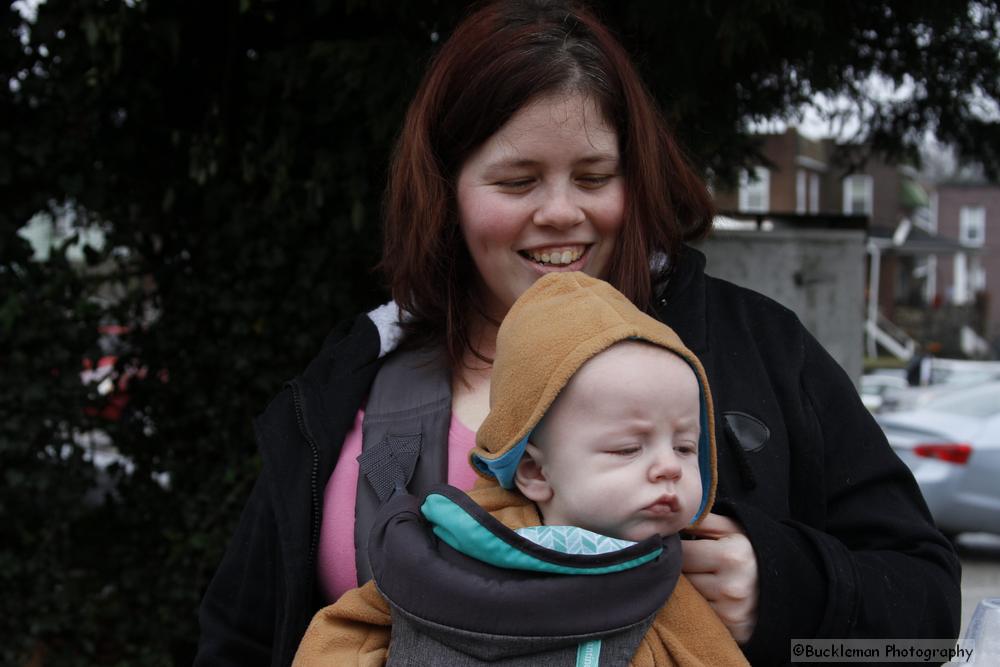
(619, 447)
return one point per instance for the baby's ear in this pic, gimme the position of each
(530, 476)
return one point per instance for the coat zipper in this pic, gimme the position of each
(313, 476)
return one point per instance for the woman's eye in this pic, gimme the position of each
(594, 180)
(516, 183)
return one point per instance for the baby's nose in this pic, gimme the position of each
(666, 465)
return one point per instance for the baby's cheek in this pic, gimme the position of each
(697, 493)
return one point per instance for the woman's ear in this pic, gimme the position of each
(530, 476)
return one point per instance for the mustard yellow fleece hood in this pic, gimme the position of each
(559, 323)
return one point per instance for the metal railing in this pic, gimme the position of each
(896, 341)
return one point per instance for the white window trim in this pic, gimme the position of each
(761, 186)
(934, 212)
(869, 189)
(814, 193)
(970, 217)
(801, 184)
(977, 276)
(960, 279)
(930, 285)
(810, 163)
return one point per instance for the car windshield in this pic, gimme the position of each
(982, 401)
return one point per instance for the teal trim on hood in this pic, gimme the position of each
(505, 467)
(704, 452)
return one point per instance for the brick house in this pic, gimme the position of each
(797, 180)
(970, 212)
(804, 178)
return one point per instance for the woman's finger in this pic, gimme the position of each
(707, 584)
(700, 556)
(714, 526)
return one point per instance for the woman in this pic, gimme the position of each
(532, 146)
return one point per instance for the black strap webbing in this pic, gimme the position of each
(404, 437)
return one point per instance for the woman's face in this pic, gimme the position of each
(543, 194)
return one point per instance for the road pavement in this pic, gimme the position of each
(980, 554)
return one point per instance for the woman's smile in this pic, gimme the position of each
(555, 256)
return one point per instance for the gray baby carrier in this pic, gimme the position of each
(463, 588)
(466, 590)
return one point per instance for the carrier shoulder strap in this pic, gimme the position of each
(404, 437)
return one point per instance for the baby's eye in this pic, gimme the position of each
(625, 451)
(686, 449)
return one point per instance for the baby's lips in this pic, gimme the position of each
(665, 504)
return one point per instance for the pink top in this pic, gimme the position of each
(335, 560)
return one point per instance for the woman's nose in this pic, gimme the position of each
(559, 209)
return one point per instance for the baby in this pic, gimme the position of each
(597, 450)
(617, 452)
(611, 455)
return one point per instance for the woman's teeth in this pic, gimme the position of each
(558, 256)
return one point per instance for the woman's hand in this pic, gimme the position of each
(722, 565)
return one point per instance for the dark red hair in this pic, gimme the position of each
(501, 57)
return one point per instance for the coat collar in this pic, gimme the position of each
(680, 303)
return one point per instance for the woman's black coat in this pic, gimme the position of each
(844, 542)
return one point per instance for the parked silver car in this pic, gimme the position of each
(877, 384)
(952, 445)
(943, 375)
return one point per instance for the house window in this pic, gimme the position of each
(972, 225)
(814, 193)
(801, 183)
(858, 195)
(755, 190)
